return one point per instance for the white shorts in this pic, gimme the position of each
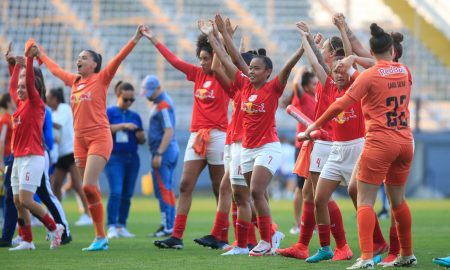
(319, 155)
(27, 173)
(236, 176)
(342, 161)
(268, 155)
(214, 149)
(227, 157)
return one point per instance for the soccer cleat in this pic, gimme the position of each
(223, 245)
(112, 232)
(230, 247)
(208, 241)
(123, 232)
(388, 260)
(343, 254)
(362, 264)
(98, 244)
(23, 246)
(263, 248)
(55, 236)
(403, 261)
(17, 240)
(295, 229)
(236, 251)
(379, 249)
(84, 220)
(445, 262)
(323, 254)
(276, 240)
(66, 239)
(298, 251)
(4, 243)
(161, 233)
(171, 242)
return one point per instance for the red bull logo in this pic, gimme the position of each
(76, 98)
(344, 117)
(204, 94)
(252, 108)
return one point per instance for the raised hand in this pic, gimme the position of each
(346, 63)
(9, 56)
(204, 28)
(147, 32)
(219, 23)
(303, 28)
(20, 60)
(138, 34)
(339, 20)
(229, 28)
(318, 39)
(34, 51)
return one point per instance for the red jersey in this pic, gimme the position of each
(306, 104)
(349, 124)
(6, 130)
(323, 101)
(258, 107)
(235, 129)
(384, 91)
(210, 108)
(28, 119)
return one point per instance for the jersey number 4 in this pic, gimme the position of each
(395, 118)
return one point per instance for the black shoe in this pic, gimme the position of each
(208, 241)
(250, 247)
(170, 242)
(4, 243)
(66, 239)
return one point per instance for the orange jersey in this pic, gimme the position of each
(384, 91)
(88, 95)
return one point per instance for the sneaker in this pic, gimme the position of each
(223, 245)
(112, 232)
(343, 254)
(323, 254)
(298, 251)
(17, 240)
(276, 240)
(23, 246)
(171, 242)
(4, 243)
(251, 246)
(98, 244)
(295, 229)
(66, 239)
(263, 248)
(236, 251)
(123, 232)
(208, 241)
(55, 236)
(445, 262)
(383, 214)
(388, 260)
(230, 247)
(379, 249)
(161, 233)
(362, 264)
(403, 261)
(84, 220)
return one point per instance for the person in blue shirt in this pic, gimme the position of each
(164, 150)
(123, 166)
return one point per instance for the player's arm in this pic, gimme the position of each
(314, 42)
(67, 77)
(357, 46)
(339, 21)
(312, 59)
(283, 76)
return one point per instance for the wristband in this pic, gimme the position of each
(351, 71)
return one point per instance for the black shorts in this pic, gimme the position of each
(65, 162)
(300, 179)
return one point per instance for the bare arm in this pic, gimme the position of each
(318, 68)
(283, 76)
(304, 27)
(339, 21)
(357, 47)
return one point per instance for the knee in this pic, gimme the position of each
(225, 190)
(186, 187)
(352, 191)
(17, 202)
(320, 202)
(257, 194)
(240, 199)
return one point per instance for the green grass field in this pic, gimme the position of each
(431, 235)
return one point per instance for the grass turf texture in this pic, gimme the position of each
(431, 233)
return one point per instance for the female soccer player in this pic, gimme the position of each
(208, 131)
(63, 122)
(387, 154)
(123, 166)
(164, 149)
(93, 142)
(261, 152)
(29, 163)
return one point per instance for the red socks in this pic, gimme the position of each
(234, 217)
(27, 235)
(324, 234)
(265, 228)
(377, 234)
(251, 236)
(308, 224)
(95, 205)
(394, 243)
(242, 228)
(220, 228)
(48, 222)
(366, 225)
(179, 226)
(337, 224)
(404, 223)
